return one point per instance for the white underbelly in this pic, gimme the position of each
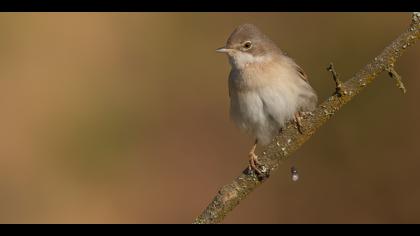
(262, 112)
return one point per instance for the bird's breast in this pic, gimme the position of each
(259, 94)
(260, 75)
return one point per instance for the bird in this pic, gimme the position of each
(267, 88)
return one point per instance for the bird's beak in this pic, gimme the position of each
(223, 50)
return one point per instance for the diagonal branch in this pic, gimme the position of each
(290, 140)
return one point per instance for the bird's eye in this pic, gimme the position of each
(247, 45)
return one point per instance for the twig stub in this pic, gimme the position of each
(394, 75)
(338, 83)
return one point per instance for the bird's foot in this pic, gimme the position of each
(298, 121)
(254, 164)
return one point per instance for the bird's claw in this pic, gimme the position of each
(297, 119)
(255, 165)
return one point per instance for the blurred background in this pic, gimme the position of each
(123, 118)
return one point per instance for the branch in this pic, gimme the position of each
(290, 140)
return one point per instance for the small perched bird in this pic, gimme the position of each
(266, 87)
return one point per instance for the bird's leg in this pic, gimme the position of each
(253, 159)
(297, 119)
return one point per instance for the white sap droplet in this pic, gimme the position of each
(295, 175)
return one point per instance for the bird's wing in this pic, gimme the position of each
(301, 73)
(299, 69)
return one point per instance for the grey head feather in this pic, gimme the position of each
(261, 43)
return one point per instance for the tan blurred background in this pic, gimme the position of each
(123, 118)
